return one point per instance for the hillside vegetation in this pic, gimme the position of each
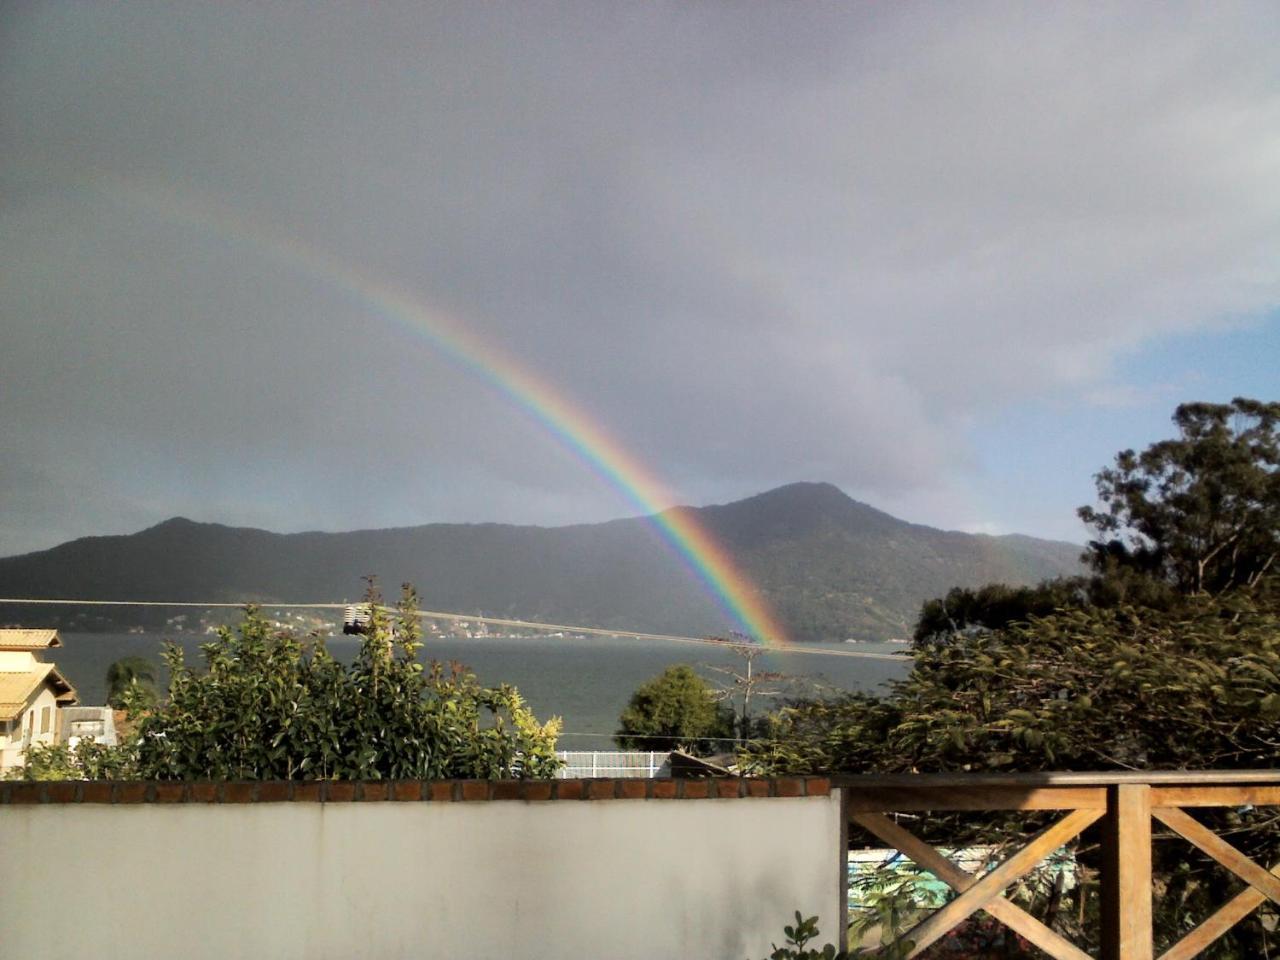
(832, 567)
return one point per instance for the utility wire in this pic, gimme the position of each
(647, 736)
(467, 617)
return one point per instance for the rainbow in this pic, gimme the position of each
(568, 422)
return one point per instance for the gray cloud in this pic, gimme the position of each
(810, 242)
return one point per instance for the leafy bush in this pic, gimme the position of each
(271, 706)
(87, 760)
(895, 896)
(798, 937)
(1084, 689)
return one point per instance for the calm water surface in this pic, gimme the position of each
(585, 681)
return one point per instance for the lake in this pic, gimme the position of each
(585, 681)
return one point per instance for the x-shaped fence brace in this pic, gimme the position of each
(1262, 884)
(984, 892)
(1130, 807)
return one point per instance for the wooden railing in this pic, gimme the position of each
(1126, 803)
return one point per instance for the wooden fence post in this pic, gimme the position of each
(1126, 874)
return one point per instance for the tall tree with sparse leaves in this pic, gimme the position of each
(1200, 511)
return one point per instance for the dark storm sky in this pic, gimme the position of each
(949, 257)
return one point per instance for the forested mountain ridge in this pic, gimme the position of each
(830, 566)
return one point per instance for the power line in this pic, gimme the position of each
(466, 618)
(654, 736)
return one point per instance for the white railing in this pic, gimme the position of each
(613, 763)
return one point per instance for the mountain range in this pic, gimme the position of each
(829, 566)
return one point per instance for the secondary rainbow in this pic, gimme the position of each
(567, 421)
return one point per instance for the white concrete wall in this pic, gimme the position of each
(507, 880)
(17, 661)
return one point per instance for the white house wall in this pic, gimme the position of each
(11, 747)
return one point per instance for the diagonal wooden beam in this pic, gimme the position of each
(1218, 923)
(1209, 842)
(924, 934)
(1010, 914)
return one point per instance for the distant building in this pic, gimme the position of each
(32, 693)
(88, 723)
(357, 619)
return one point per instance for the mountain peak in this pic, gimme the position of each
(818, 493)
(182, 526)
(175, 523)
(801, 506)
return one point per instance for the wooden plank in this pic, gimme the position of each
(1058, 778)
(1216, 796)
(1209, 842)
(1126, 930)
(918, 798)
(1010, 914)
(1218, 923)
(990, 886)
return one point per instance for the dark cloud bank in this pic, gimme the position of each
(758, 243)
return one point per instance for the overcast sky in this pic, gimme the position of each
(950, 257)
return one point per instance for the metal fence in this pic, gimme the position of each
(613, 763)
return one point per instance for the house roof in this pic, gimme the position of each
(17, 686)
(18, 639)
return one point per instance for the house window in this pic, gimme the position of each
(44, 720)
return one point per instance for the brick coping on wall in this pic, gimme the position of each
(346, 791)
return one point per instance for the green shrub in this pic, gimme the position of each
(798, 938)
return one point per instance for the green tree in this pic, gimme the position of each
(995, 605)
(131, 674)
(1193, 688)
(677, 708)
(1197, 513)
(268, 705)
(1200, 512)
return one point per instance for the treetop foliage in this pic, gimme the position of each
(993, 606)
(677, 708)
(1200, 511)
(131, 675)
(1089, 688)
